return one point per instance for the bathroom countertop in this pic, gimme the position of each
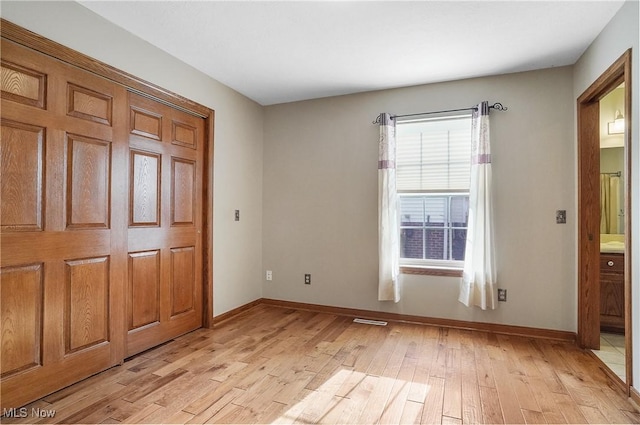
(612, 247)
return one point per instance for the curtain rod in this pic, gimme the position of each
(497, 106)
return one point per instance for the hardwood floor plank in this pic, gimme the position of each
(433, 403)
(219, 401)
(377, 401)
(291, 384)
(593, 415)
(484, 371)
(272, 412)
(452, 405)
(554, 418)
(607, 408)
(412, 413)
(279, 365)
(157, 383)
(76, 411)
(634, 417)
(471, 403)
(543, 395)
(295, 407)
(400, 390)
(383, 354)
(451, 421)
(533, 417)
(229, 414)
(313, 407)
(525, 396)
(141, 414)
(180, 417)
(360, 395)
(491, 410)
(397, 400)
(569, 409)
(339, 412)
(506, 393)
(426, 354)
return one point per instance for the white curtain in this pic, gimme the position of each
(388, 228)
(479, 286)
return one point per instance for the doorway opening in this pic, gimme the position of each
(604, 219)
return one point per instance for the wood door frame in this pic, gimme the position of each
(588, 115)
(26, 38)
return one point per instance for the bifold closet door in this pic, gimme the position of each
(63, 224)
(164, 288)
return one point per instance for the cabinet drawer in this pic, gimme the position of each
(611, 263)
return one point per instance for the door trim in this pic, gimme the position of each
(589, 211)
(31, 40)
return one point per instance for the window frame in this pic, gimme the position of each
(451, 268)
(448, 228)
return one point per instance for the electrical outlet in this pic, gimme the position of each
(307, 279)
(269, 275)
(502, 295)
(561, 216)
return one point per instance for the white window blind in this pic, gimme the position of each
(433, 154)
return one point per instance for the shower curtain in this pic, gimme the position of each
(609, 203)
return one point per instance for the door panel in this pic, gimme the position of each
(87, 303)
(62, 275)
(21, 293)
(183, 200)
(182, 280)
(22, 173)
(165, 223)
(88, 182)
(144, 300)
(89, 105)
(23, 85)
(144, 188)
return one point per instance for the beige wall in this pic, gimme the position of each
(320, 199)
(238, 133)
(620, 34)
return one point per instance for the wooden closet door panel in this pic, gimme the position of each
(88, 182)
(144, 289)
(63, 259)
(86, 303)
(22, 293)
(165, 218)
(22, 147)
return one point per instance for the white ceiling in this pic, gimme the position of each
(276, 52)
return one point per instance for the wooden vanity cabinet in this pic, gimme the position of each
(612, 292)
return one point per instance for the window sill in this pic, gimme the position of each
(431, 271)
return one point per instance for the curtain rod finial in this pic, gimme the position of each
(499, 107)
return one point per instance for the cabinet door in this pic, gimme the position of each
(612, 292)
(62, 262)
(612, 302)
(164, 294)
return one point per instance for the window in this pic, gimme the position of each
(433, 163)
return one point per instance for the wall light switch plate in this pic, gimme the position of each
(561, 216)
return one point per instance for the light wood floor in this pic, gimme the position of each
(275, 365)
